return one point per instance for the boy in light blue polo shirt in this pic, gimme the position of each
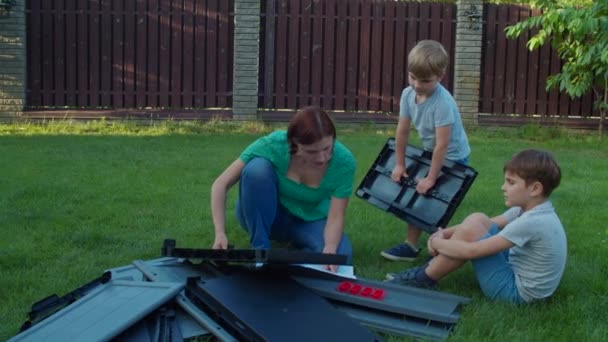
(434, 113)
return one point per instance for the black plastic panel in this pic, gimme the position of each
(267, 256)
(258, 306)
(427, 212)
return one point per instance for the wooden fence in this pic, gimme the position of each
(514, 78)
(345, 55)
(129, 54)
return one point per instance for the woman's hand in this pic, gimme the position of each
(221, 242)
(331, 268)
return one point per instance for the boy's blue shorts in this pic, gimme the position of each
(495, 275)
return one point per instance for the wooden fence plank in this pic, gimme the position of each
(424, 21)
(188, 55)
(177, 50)
(281, 48)
(129, 54)
(399, 72)
(587, 104)
(293, 54)
(83, 22)
(435, 21)
(448, 33)
(352, 67)
(542, 96)
(117, 55)
(305, 55)
(342, 31)
(489, 47)
(164, 59)
(521, 71)
(71, 53)
(47, 53)
(34, 60)
(363, 68)
(389, 50)
(105, 49)
(501, 62)
(318, 70)
(200, 52)
(226, 44)
(94, 43)
(59, 47)
(377, 39)
(511, 65)
(142, 18)
(413, 12)
(212, 47)
(329, 53)
(268, 58)
(554, 66)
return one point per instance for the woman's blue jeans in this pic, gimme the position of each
(259, 212)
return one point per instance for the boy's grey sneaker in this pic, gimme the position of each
(402, 252)
(393, 275)
(410, 277)
(402, 274)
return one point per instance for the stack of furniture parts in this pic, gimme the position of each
(238, 295)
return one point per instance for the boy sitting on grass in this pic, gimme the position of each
(518, 256)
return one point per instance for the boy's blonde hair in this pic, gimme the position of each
(428, 58)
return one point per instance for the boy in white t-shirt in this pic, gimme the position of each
(518, 256)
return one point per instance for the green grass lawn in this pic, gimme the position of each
(77, 199)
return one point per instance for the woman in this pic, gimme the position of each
(294, 187)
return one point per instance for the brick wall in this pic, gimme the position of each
(467, 59)
(12, 61)
(246, 57)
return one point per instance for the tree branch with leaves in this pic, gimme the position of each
(579, 35)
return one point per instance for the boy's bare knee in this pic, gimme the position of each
(478, 219)
(473, 227)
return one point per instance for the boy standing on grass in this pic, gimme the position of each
(434, 113)
(518, 256)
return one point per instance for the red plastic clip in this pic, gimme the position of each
(358, 290)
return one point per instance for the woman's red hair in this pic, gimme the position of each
(309, 125)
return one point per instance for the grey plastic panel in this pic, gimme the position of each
(188, 326)
(410, 301)
(104, 313)
(130, 272)
(178, 271)
(160, 326)
(395, 324)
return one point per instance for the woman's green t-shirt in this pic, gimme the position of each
(309, 204)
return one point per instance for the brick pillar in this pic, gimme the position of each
(246, 57)
(467, 59)
(12, 61)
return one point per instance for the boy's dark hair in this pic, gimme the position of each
(536, 165)
(309, 125)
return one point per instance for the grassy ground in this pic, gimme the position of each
(76, 199)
